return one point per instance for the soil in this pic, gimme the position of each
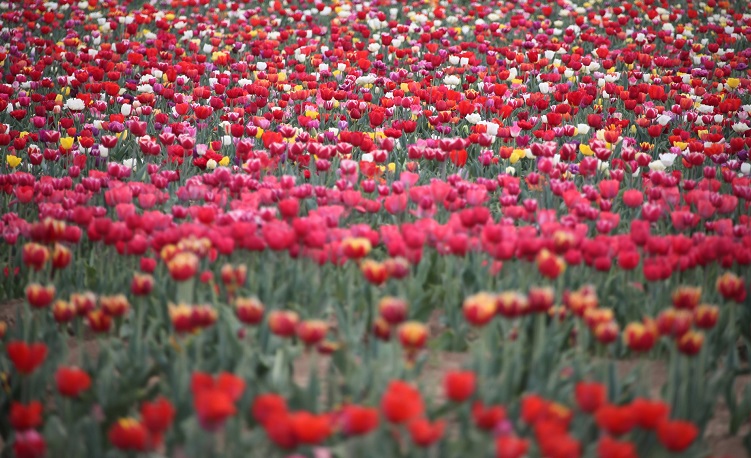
(716, 435)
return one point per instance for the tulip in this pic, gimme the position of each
(374, 272)
(393, 310)
(590, 396)
(157, 415)
(356, 247)
(401, 402)
(677, 435)
(731, 287)
(128, 434)
(479, 309)
(459, 386)
(311, 332)
(283, 322)
(249, 310)
(616, 420)
(24, 417)
(413, 335)
(63, 311)
(71, 381)
(29, 444)
(358, 421)
(114, 306)
(26, 358)
(183, 266)
(705, 316)
(40, 296)
(83, 302)
(640, 336)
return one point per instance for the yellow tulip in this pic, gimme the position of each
(585, 150)
(224, 162)
(66, 142)
(516, 155)
(733, 82)
(13, 161)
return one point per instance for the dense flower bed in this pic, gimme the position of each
(269, 226)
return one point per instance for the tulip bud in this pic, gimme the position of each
(328, 347)
(606, 333)
(148, 265)
(40, 296)
(593, 317)
(691, 342)
(550, 265)
(142, 284)
(249, 310)
(686, 297)
(283, 322)
(183, 266)
(674, 322)
(63, 311)
(479, 308)
(61, 256)
(381, 329)
(540, 299)
(580, 300)
(233, 277)
(356, 247)
(705, 316)
(413, 335)
(114, 305)
(203, 316)
(731, 287)
(393, 310)
(397, 267)
(83, 302)
(512, 304)
(640, 336)
(35, 255)
(99, 321)
(311, 332)
(374, 272)
(182, 318)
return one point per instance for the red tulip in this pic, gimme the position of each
(157, 415)
(71, 381)
(459, 386)
(358, 420)
(26, 357)
(479, 309)
(590, 396)
(266, 405)
(128, 434)
(649, 413)
(24, 417)
(29, 444)
(616, 420)
(401, 402)
(677, 435)
(608, 447)
(425, 434)
(310, 429)
(487, 417)
(40, 296)
(511, 447)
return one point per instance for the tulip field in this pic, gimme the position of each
(387, 229)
